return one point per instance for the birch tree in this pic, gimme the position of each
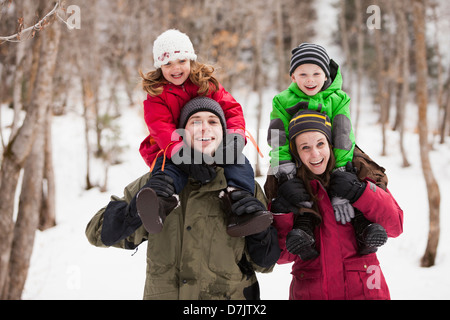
(419, 8)
(16, 153)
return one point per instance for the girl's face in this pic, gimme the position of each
(176, 71)
(313, 150)
(310, 78)
(204, 132)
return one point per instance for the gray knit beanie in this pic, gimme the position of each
(310, 53)
(202, 104)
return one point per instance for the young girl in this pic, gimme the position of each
(178, 78)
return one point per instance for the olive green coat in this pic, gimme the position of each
(193, 257)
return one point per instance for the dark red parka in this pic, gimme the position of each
(340, 273)
(162, 114)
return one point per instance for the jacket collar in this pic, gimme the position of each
(219, 183)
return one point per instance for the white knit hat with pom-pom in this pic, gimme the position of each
(172, 45)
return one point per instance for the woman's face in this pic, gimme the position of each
(204, 132)
(313, 150)
(177, 71)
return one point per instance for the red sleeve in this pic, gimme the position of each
(232, 109)
(379, 206)
(283, 222)
(161, 124)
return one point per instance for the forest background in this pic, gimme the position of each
(79, 60)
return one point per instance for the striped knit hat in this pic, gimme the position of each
(306, 121)
(310, 53)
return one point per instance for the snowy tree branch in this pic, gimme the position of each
(41, 24)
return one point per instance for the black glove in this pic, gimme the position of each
(245, 202)
(345, 184)
(294, 192)
(232, 149)
(190, 164)
(162, 184)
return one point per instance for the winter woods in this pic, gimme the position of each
(387, 50)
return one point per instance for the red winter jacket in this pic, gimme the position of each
(162, 114)
(339, 273)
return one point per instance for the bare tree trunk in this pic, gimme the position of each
(27, 218)
(434, 199)
(446, 114)
(360, 61)
(403, 81)
(282, 65)
(346, 47)
(47, 217)
(382, 92)
(259, 77)
(20, 146)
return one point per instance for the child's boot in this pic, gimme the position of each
(245, 224)
(155, 201)
(300, 240)
(369, 236)
(153, 210)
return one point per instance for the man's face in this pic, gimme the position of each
(204, 132)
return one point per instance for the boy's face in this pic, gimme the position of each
(177, 71)
(310, 78)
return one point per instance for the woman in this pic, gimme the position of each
(339, 271)
(193, 257)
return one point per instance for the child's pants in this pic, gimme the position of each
(240, 176)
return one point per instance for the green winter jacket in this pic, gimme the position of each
(332, 101)
(192, 257)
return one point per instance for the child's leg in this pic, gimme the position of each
(240, 176)
(179, 177)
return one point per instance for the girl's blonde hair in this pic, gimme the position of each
(201, 75)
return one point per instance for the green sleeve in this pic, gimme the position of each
(278, 133)
(343, 134)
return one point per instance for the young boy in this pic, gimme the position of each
(316, 85)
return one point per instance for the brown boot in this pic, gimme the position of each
(245, 224)
(153, 210)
